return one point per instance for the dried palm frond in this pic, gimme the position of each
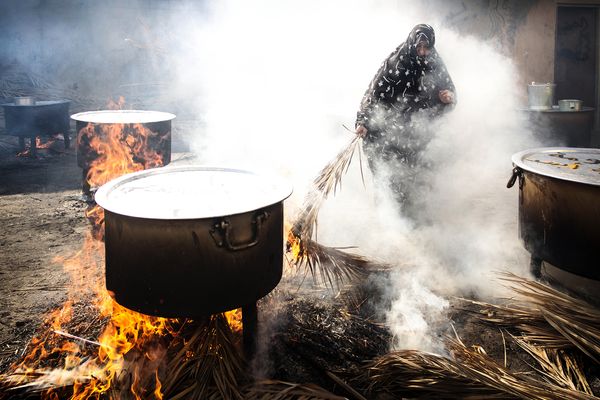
(558, 366)
(206, 365)
(548, 317)
(470, 374)
(329, 265)
(418, 374)
(527, 320)
(332, 266)
(328, 180)
(575, 319)
(279, 390)
(478, 366)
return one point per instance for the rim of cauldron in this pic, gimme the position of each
(518, 161)
(37, 104)
(123, 116)
(282, 190)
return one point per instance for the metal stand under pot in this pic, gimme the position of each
(193, 241)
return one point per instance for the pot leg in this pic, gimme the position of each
(33, 147)
(535, 267)
(250, 322)
(85, 186)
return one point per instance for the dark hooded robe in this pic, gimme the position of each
(398, 107)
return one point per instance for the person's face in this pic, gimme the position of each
(423, 50)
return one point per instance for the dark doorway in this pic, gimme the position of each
(575, 57)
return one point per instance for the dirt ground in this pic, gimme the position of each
(41, 217)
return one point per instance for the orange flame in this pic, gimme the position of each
(119, 149)
(234, 319)
(293, 243)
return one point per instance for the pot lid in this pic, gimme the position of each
(191, 192)
(568, 163)
(122, 116)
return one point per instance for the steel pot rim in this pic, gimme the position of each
(518, 160)
(279, 191)
(37, 104)
(123, 116)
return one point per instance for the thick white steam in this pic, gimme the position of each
(274, 81)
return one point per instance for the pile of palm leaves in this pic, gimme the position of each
(207, 363)
(279, 390)
(468, 373)
(547, 317)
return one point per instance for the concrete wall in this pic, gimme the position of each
(533, 50)
(523, 30)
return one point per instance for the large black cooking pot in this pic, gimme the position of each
(559, 206)
(192, 241)
(35, 118)
(98, 124)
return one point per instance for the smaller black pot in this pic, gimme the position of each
(37, 119)
(97, 124)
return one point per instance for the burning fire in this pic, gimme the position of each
(119, 149)
(39, 145)
(234, 319)
(129, 353)
(294, 245)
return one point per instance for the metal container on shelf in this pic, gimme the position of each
(541, 95)
(570, 105)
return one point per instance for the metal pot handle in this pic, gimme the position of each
(516, 173)
(221, 232)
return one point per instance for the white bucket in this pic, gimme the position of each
(541, 95)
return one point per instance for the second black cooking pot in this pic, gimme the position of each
(559, 206)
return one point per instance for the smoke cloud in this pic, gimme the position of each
(276, 82)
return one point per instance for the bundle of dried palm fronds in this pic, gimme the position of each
(558, 366)
(525, 319)
(470, 373)
(547, 317)
(418, 374)
(331, 265)
(328, 265)
(279, 390)
(328, 180)
(207, 365)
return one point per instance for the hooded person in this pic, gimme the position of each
(410, 89)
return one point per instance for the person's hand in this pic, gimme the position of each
(361, 131)
(446, 96)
